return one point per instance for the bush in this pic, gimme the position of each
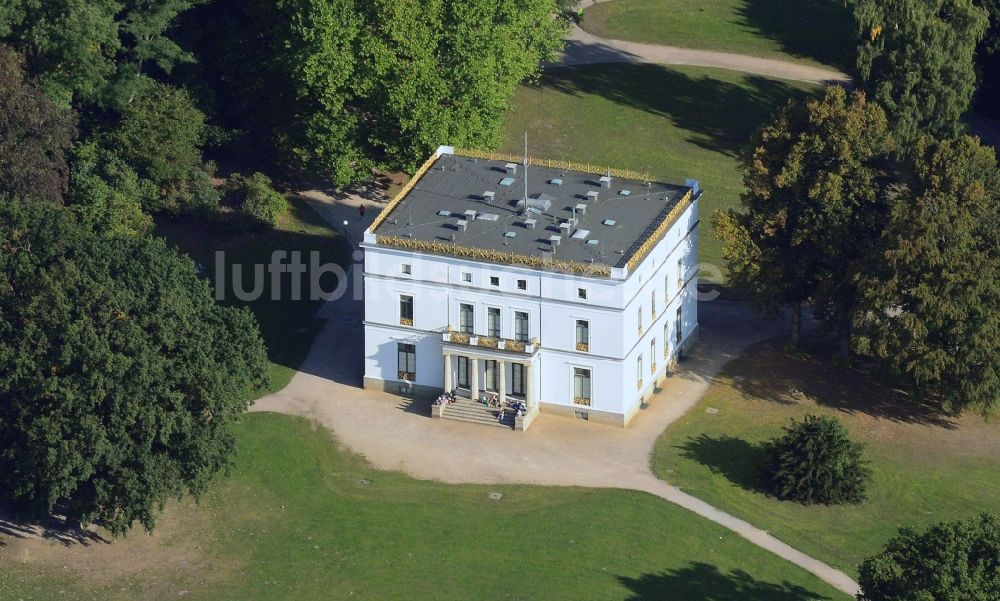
(256, 201)
(952, 561)
(816, 462)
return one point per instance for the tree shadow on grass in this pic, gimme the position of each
(822, 30)
(767, 372)
(51, 527)
(704, 582)
(719, 115)
(735, 459)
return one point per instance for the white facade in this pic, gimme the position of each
(636, 324)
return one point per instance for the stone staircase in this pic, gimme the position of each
(467, 410)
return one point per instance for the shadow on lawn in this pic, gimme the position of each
(822, 30)
(704, 582)
(52, 527)
(737, 460)
(769, 373)
(719, 115)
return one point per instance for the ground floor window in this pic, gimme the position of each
(492, 376)
(517, 379)
(581, 386)
(407, 361)
(678, 325)
(463, 372)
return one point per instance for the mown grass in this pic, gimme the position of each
(288, 325)
(301, 520)
(927, 468)
(815, 32)
(675, 123)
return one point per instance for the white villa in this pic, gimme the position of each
(566, 287)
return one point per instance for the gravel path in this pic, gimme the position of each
(397, 434)
(584, 48)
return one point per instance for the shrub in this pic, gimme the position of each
(257, 202)
(952, 561)
(816, 462)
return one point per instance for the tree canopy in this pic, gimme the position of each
(119, 374)
(929, 307)
(916, 59)
(35, 136)
(952, 561)
(812, 178)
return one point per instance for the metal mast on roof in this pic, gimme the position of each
(525, 168)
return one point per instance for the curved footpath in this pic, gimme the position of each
(396, 434)
(584, 48)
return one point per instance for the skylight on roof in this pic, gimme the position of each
(510, 234)
(610, 222)
(444, 213)
(625, 192)
(556, 181)
(594, 242)
(507, 181)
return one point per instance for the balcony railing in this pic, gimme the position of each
(582, 401)
(491, 342)
(583, 347)
(403, 321)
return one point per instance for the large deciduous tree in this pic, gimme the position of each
(812, 178)
(916, 58)
(120, 376)
(929, 309)
(952, 561)
(35, 135)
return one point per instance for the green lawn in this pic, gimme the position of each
(817, 32)
(300, 520)
(926, 469)
(675, 123)
(287, 325)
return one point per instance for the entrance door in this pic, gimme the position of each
(463, 372)
(492, 376)
(517, 379)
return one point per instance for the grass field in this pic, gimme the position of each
(817, 32)
(675, 123)
(926, 468)
(300, 520)
(287, 325)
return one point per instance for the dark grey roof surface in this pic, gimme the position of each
(619, 223)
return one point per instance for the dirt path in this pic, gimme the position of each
(584, 48)
(397, 434)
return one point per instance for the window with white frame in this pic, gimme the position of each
(652, 356)
(405, 310)
(581, 386)
(463, 371)
(522, 284)
(521, 326)
(494, 280)
(639, 315)
(466, 318)
(652, 304)
(467, 277)
(677, 326)
(493, 322)
(583, 335)
(680, 274)
(406, 361)
(581, 293)
(517, 379)
(406, 268)
(492, 376)
(638, 372)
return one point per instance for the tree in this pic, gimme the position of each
(34, 136)
(929, 308)
(916, 59)
(120, 376)
(952, 561)
(810, 208)
(815, 461)
(160, 136)
(107, 193)
(256, 201)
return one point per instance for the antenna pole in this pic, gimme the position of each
(525, 167)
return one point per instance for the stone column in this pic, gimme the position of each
(529, 377)
(447, 373)
(502, 366)
(474, 388)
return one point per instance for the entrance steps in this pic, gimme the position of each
(467, 410)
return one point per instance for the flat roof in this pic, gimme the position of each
(569, 218)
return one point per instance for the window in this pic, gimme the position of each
(522, 284)
(463, 372)
(581, 386)
(652, 304)
(466, 318)
(493, 322)
(406, 361)
(638, 373)
(517, 379)
(581, 293)
(467, 277)
(492, 376)
(406, 268)
(666, 339)
(494, 280)
(640, 321)
(405, 310)
(582, 335)
(680, 274)
(666, 288)
(520, 326)
(652, 356)
(677, 326)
